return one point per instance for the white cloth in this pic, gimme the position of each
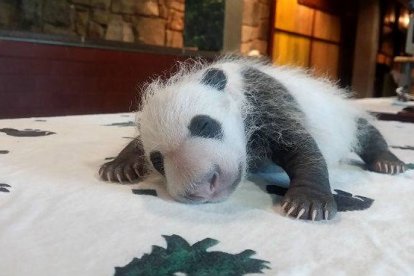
(58, 218)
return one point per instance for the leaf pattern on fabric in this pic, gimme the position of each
(403, 147)
(150, 192)
(26, 132)
(4, 188)
(192, 260)
(349, 202)
(123, 124)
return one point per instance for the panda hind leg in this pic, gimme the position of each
(374, 150)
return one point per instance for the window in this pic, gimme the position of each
(204, 24)
(306, 37)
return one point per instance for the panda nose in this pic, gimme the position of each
(212, 181)
(206, 188)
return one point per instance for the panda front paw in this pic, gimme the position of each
(303, 202)
(123, 170)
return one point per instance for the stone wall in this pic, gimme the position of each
(154, 22)
(255, 26)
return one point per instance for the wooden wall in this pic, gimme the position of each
(50, 80)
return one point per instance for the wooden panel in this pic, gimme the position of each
(327, 26)
(324, 59)
(293, 17)
(50, 80)
(291, 50)
(331, 6)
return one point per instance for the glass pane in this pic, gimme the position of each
(290, 49)
(327, 26)
(292, 17)
(324, 59)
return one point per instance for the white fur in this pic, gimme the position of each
(169, 106)
(330, 116)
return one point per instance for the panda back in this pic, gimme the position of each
(330, 117)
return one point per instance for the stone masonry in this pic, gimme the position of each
(255, 26)
(154, 22)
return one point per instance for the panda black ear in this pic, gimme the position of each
(215, 78)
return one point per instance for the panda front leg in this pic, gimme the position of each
(309, 195)
(130, 165)
(374, 150)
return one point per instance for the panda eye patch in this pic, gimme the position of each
(157, 160)
(206, 127)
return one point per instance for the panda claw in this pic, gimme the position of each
(301, 212)
(386, 167)
(137, 171)
(108, 176)
(284, 205)
(290, 210)
(379, 166)
(326, 214)
(101, 170)
(118, 176)
(314, 214)
(129, 177)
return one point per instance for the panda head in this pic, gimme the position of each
(193, 134)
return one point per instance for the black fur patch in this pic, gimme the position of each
(206, 127)
(215, 78)
(157, 160)
(4, 151)
(281, 136)
(278, 131)
(261, 91)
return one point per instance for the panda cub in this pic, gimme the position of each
(205, 126)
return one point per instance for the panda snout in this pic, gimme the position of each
(205, 189)
(215, 186)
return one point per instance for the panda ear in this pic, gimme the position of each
(215, 78)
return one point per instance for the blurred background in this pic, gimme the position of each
(63, 57)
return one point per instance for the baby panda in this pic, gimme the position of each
(205, 126)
